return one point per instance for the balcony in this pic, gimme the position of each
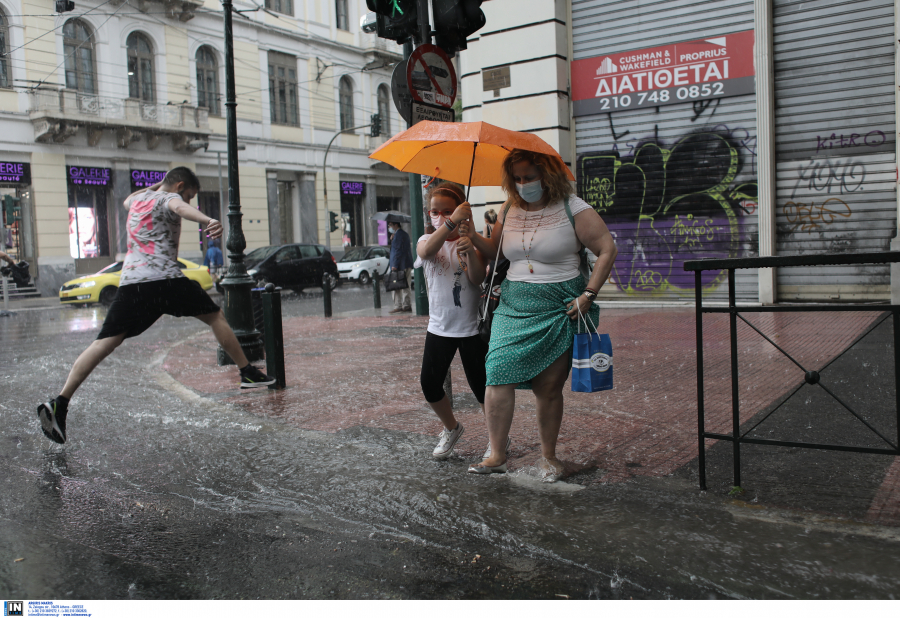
(57, 115)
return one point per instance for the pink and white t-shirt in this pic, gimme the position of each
(153, 235)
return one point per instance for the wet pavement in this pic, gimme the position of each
(176, 485)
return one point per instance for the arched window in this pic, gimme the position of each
(140, 68)
(78, 47)
(207, 80)
(346, 103)
(384, 109)
(5, 78)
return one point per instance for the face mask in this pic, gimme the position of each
(531, 192)
(437, 222)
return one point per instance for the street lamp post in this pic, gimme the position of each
(236, 283)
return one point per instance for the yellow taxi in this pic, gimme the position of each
(101, 287)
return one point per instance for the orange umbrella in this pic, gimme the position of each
(468, 153)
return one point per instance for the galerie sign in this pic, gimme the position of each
(19, 173)
(145, 178)
(352, 188)
(88, 175)
(692, 71)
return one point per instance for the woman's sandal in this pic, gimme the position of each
(551, 473)
(482, 469)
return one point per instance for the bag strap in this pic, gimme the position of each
(490, 289)
(586, 318)
(583, 248)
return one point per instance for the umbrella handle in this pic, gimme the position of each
(471, 169)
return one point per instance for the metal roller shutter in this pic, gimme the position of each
(674, 182)
(835, 146)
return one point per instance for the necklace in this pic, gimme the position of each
(531, 242)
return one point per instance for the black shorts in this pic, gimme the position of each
(138, 305)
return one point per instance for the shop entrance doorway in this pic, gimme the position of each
(88, 222)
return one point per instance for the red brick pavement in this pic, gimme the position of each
(352, 371)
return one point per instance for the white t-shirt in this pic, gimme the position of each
(553, 252)
(153, 234)
(445, 318)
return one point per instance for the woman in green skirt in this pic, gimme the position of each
(533, 328)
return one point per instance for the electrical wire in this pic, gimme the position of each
(53, 30)
(72, 53)
(124, 80)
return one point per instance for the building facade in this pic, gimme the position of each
(709, 129)
(100, 101)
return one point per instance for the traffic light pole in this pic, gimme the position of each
(325, 184)
(417, 225)
(236, 283)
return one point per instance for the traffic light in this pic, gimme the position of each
(375, 128)
(64, 6)
(333, 216)
(396, 20)
(455, 21)
(12, 207)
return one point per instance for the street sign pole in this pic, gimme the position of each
(417, 224)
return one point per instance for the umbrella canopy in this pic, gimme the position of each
(391, 216)
(468, 153)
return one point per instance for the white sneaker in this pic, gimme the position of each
(445, 445)
(487, 453)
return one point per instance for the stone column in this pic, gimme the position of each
(309, 229)
(272, 199)
(370, 207)
(116, 211)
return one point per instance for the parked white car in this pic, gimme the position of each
(361, 263)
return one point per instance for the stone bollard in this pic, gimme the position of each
(376, 289)
(274, 337)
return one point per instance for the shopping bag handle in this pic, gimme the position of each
(584, 317)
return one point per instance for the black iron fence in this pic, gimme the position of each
(736, 437)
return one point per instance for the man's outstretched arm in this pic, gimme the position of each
(186, 211)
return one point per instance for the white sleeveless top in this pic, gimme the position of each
(554, 251)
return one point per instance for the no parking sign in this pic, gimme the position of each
(431, 76)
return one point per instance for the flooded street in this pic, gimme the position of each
(164, 493)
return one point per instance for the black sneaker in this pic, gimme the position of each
(53, 421)
(251, 377)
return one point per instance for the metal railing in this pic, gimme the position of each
(812, 377)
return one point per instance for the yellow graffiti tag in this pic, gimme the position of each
(648, 279)
(812, 216)
(690, 232)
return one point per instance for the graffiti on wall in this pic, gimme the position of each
(812, 216)
(669, 203)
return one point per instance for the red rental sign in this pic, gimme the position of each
(704, 69)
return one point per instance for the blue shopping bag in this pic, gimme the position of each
(592, 360)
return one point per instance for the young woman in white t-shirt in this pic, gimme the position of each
(454, 270)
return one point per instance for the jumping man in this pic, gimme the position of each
(151, 285)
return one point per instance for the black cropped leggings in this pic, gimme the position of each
(439, 353)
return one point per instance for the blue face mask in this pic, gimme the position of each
(531, 192)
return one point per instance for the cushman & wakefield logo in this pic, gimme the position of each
(13, 608)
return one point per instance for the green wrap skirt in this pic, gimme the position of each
(531, 329)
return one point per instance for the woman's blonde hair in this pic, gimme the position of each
(490, 216)
(450, 189)
(555, 181)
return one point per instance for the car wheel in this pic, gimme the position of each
(107, 295)
(329, 280)
(364, 278)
